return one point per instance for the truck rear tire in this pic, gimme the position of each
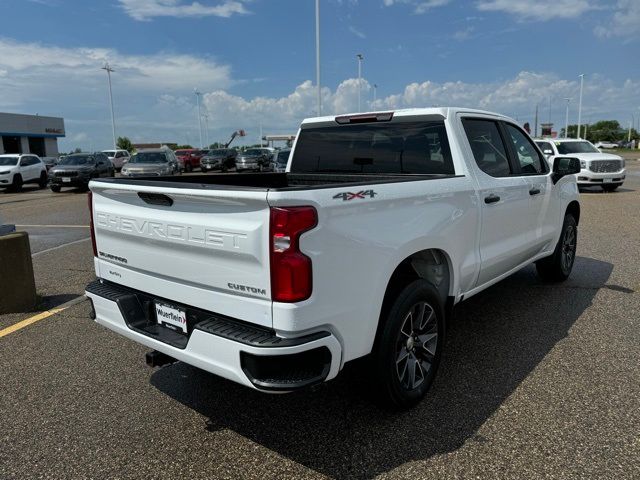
(409, 346)
(557, 267)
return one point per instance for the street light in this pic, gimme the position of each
(318, 57)
(566, 120)
(580, 105)
(108, 69)
(206, 128)
(197, 93)
(360, 57)
(375, 94)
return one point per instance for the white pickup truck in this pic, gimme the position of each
(380, 225)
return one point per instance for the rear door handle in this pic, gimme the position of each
(534, 191)
(493, 198)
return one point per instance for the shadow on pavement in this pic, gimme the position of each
(497, 339)
(51, 301)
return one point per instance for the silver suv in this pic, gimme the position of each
(151, 162)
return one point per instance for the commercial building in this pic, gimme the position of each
(30, 134)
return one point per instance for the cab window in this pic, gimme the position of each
(487, 146)
(526, 155)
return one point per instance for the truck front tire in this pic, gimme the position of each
(557, 267)
(409, 346)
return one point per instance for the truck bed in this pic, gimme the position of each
(271, 181)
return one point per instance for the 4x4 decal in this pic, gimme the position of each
(346, 196)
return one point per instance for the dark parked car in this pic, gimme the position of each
(220, 159)
(77, 170)
(255, 159)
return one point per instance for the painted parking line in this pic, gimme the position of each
(52, 226)
(41, 316)
(60, 246)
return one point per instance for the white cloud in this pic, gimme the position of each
(35, 66)
(147, 9)
(625, 21)
(357, 32)
(154, 99)
(464, 34)
(420, 6)
(538, 9)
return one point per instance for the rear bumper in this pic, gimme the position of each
(244, 353)
(73, 182)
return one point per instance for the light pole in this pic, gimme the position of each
(375, 94)
(566, 119)
(633, 122)
(360, 57)
(108, 69)
(206, 128)
(197, 93)
(580, 105)
(318, 57)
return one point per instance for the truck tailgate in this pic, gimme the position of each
(205, 247)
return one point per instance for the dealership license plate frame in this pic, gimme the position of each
(166, 316)
(607, 180)
(66, 179)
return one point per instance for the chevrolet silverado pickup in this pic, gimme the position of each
(381, 223)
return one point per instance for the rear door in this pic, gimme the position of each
(505, 240)
(531, 165)
(201, 247)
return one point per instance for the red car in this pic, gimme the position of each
(190, 158)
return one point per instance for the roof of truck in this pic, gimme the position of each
(443, 112)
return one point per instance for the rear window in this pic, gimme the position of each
(407, 147)
(565, 148)
(283, 157)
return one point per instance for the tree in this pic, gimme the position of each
(77, 150)
(216, 145)
(182, 147)
(604, 130)
(124, 143)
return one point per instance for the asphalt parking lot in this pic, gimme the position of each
(537, 381)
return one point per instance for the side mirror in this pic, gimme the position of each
(563, 166)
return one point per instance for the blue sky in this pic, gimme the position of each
(254, 61)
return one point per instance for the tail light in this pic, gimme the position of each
(93, 231)
(291, 278)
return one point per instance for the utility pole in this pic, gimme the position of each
(318, 57)
(108, 69)
(360, 57)
(580, 105)
(535, 129)
(197, 93)
(375, 94)
(566, 121)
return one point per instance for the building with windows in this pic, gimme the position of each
(30, 134)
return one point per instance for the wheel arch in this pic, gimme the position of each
(574, 209)
(431, 264)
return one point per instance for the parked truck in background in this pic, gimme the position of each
(381, 223)
(597, 169)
